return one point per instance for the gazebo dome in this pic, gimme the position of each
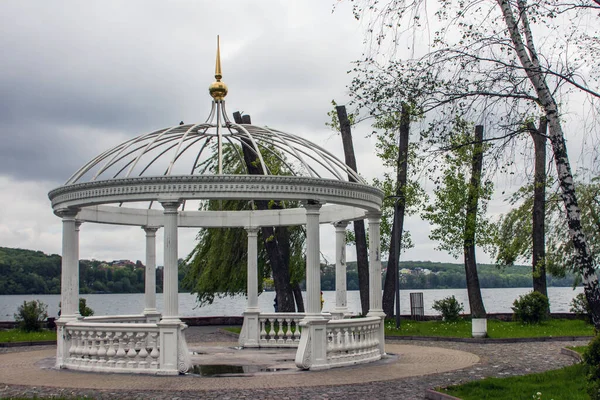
(192, 149)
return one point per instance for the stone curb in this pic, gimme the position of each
(491, 340)
(431, 394)
(571, 353)
(24, 344)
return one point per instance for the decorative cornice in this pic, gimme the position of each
(257, 187)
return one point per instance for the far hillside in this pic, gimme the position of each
(34, 272)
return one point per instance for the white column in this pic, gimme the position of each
(375, 294)
(250, 334)
(170, 280)
(341, 298)
(252, 285)
(313, 268)
(69, 291)
(150, 278)
(76, 280)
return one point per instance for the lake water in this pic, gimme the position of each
(495, 301)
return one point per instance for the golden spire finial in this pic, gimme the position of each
(218, 90)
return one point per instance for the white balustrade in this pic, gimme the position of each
(279, 329)
(353, 341)
(111, 347)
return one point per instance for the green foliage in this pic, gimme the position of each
(84, 310)
(591, 359)
(17, 335)
(334, 122)
(33, 272)
(497, 329)
(581, 307)
(531, 308)
(448, 211)
(564, 383)
(449, 307)
(30, 315)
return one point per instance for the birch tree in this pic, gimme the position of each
(497, 62)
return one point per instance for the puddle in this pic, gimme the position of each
(216, 370)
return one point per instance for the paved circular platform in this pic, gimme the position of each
(34, 368)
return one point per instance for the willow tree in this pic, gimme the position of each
(217, 266)
(496, 62)
(514, 241)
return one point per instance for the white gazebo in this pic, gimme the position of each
(147, 182)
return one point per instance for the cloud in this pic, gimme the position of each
(78, 78)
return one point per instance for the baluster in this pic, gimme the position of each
(73, 348)
(348, 340)
(101, 353)
(337, 340)
(81, 348)
(142, 353)
(361, 339)
(120, 356)
(154, 353)
(131, 353)
(271, 330)
(288, 334)
(263, 330)
(92, 349)
(111, 352)
(297, 332)
(280, 333)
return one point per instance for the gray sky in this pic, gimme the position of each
(79, 77)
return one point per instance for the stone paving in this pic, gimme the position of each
(420, 366)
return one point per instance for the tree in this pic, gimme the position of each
(484, 62)
(402, 194)
(458, 212)
(360, 236)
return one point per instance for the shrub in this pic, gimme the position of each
(531, 308)
(449, 307)
(84, 310)
(591, 359)
(581, 307)
(30, 315)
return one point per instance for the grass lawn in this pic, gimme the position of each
(496, 329)
(16, 335)
(566, 383)
(234, 329)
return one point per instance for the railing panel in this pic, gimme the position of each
(112, 347)
(279, 329)
(352, 341)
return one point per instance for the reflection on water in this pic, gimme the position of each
(495, 300)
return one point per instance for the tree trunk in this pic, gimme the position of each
(276, 240)
(298, 297)
(529, 60)
(539, 208)
(473, 288)
(389, 287)
(362, 253)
